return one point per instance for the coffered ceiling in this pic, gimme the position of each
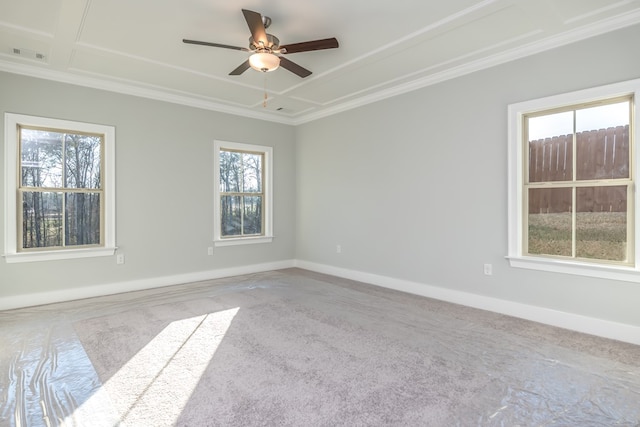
(386, 47)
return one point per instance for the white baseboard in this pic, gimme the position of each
(574, 322)
(30, 300)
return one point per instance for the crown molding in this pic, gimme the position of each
(137, 89)
(161, 94)
(539, 46)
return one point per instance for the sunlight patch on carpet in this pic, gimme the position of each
(156, 383)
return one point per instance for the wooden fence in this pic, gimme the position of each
(601, 154)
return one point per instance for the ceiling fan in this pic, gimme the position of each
(266, 50)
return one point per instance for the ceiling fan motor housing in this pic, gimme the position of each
(272, 44)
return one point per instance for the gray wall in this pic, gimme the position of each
(362, 179)
(164, 204)
(366, 179)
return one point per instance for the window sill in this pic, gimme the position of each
(243, 241)
(58, 255)
(613, 272)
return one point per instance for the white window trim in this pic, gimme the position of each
(516, 159)
(11, 253)
(268, 180)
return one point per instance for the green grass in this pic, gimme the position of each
(599, 235)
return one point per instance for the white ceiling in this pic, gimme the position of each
(386, 47)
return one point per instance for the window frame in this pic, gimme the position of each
(267, 235)
(12, 252)
(517, 168)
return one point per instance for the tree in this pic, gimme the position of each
(60, 181)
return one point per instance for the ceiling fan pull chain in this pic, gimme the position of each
(264, 103)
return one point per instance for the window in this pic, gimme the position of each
(578, 183)
(242, 175)
(60, 189)
(571, 183)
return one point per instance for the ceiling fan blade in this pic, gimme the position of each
(254, 21)
(241, 68)
(331, 43)
(294, 68)
(225, 46)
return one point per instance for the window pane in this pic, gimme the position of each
(41, 219)
(252, 164)
(41, 158)
(82, 220)
(252, 215)
(549, 221)
(602, 142)
(551, 147)
(230, 215)
(230, 171)
(82, 161)
(601, 223)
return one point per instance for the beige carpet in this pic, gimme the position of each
(301, 349)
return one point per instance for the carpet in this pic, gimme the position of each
(291, 348)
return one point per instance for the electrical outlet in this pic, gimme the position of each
(488, 269)
(120, 259)
(338, 249)
(210, 250)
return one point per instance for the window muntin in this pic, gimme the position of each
(60, 189)
(243, 204)
(577, 205)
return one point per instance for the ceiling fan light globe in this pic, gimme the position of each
(264, 61)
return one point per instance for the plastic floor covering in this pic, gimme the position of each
(292, 347)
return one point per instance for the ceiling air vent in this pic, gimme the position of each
(28, 54)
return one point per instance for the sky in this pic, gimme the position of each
(598, 117)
